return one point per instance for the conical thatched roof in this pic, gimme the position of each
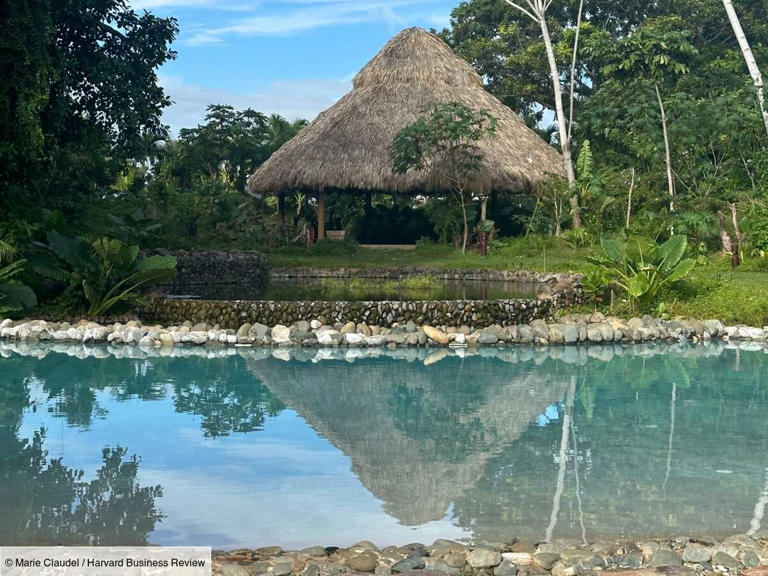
(348, 145)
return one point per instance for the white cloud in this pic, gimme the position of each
(303, 17)
(293, 99)
(269, 18)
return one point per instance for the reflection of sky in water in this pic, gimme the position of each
(549, 415)
(397, 451)
(282, 484)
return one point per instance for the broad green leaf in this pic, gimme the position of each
(681, 270)
(672, 251)
(47, 265)
(612, 249)
(157, 263)
(74, 251)
(637, 286)
(15, 296)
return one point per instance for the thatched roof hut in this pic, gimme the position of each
(348, 146)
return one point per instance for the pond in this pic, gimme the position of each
(358, 289)
(251, 447)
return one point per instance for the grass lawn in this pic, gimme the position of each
(549, 255)
(712, 291)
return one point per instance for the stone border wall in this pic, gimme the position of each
(213, 267)
(440, 274)
(235, 313)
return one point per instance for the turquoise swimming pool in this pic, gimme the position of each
(244, 447)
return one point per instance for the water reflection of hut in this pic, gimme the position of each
(417, 437)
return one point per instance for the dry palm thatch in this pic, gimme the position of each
(348, 146)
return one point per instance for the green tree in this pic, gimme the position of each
(443, 142)
(228, 146)
(79, 95)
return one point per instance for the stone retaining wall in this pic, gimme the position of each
(472, 313)
(414, 271)
(213, 267)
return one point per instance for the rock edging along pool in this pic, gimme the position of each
(318, 332)
(747, 555)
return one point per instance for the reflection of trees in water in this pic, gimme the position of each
(220, 391)
(45, 502)
(622, 425)
(226, 406)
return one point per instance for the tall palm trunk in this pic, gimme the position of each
(537, 11)
(668, 154)
(565, 141)
(754, 71)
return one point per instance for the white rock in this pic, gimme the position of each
(326, 337)
(315, 324)
(147, 341)
(750, 333)
(281, 334)
(353, 338)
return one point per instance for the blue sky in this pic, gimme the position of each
(292, 57)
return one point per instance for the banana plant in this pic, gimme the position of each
(14, 296)
(641, 267)
(105, 272)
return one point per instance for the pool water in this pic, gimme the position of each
(248, 447)
(359, 289)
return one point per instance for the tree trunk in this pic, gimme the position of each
(670, 177)
(573, 68)
(629, 198)
(465, 237)
(725, 238)
(735, 219)
(321, 214)
(484, 208)
(754, 71)
(281, 209)
(565, 143)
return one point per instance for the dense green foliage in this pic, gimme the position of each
(640, 267)
(443, 141)
(104, 272)
(84, 156)
(628, 49)
(79, 97)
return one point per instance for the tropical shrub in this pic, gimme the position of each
(105, 272)
(640, 267)
(14, 296)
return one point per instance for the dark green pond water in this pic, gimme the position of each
(294, 289)
(252, 447)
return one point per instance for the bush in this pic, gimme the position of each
(103, 273)
(641, 268)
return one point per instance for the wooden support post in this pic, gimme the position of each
(281, 208)
(321, 214)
